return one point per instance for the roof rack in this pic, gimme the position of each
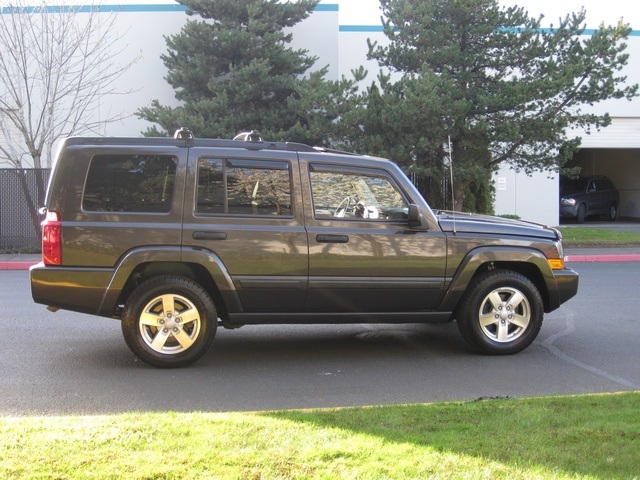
(252, 136)
(183, 136)
(183, 133)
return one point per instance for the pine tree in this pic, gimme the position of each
(233, 70)
(501, 87)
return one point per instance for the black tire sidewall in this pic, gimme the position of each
(468, 322)
(582, 213)
(153, 288)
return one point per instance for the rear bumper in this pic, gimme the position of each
(69, 288)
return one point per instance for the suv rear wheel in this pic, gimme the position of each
(501, 314)
(169, 321)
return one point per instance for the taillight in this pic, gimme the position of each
(52, 239)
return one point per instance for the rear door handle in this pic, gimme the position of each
(209, 235)
(328, 238)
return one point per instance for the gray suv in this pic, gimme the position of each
(586, 196)
(175, 237)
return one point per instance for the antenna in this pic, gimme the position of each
(453, 195)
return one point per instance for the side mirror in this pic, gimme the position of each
(415, 217)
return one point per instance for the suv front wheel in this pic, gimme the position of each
(502, 313)
(169, 321)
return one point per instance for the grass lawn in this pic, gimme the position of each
(591, 436)
(598, 237)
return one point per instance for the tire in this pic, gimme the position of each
(501, 313)
(613, 213)
(169, 321)
(582, 213)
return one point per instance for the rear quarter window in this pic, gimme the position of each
(130, 183)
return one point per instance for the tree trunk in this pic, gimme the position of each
(459, 192)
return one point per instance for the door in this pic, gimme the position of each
(363, 257)
(242, 208)
(605, 191)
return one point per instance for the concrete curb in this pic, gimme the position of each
(16, 265)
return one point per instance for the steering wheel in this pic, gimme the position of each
(342, 207)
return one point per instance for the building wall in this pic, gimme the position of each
(533, 198)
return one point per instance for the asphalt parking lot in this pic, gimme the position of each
(68, 363)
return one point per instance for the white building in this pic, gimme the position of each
(337, 34)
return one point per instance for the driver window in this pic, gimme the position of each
(356, 196)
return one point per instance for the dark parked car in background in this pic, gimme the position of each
(586, 196)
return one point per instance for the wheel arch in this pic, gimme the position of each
(191, 271)
(201, 266)
(530, 263)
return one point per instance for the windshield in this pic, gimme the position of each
(573, 185)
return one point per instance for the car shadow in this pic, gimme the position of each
(457, 431)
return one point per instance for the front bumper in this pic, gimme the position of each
(569, 211)
(567, 285)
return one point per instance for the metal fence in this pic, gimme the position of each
(21, 195)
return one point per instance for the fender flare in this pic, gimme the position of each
(218, 271)
(483, 255)
(169, 254)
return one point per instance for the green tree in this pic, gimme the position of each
(233, 71)
(390, 120)
(496, 83)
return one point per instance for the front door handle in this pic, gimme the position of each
(209, 235)
(329, 238)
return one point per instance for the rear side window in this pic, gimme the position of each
(130, 183)
(243, 187)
